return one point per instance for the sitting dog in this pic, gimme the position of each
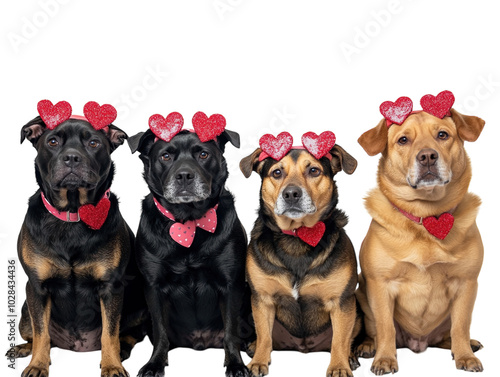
(191, 244)
(75, 247)
(423, 252)
(301, 265)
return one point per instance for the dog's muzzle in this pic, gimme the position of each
(294, 202)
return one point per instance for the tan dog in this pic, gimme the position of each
(416, 289)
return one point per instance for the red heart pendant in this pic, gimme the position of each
(166, 128)
(99, 116)
(208, 128)
(439, 105)
(439, 227)
(397, 111)
(320, 145)
(95, 216)
(275, 147)
(183, 234)
(312, 235)
(53, 115)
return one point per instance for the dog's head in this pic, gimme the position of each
(424, 155)
(72, 158)
(298, 190)
(184, 170)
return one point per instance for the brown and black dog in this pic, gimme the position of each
(418, 289)
(84, 289)
(301, 292)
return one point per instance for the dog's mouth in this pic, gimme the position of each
(197, 194)
(427, 179)
(73, 180)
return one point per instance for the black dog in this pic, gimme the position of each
(196, 295)
(78, 272)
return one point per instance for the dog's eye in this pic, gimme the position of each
(402, 140)
(276, 173)
(443, 135)
(203, 155)
(53, 142)
(315, 172)
(165, 157)
(94, 143)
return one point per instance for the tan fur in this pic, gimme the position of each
(110, 345)
(406, 273)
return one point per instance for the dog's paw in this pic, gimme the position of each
(475, 345)
(353, 361)
(35, 371)
(152, 370)
(384, 365)
(338, 371)
(237, 370)
(113, 371)
(366, 349)
(469, 364)
(250, 349)
(258, 369)
(21, 350)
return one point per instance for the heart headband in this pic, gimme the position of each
(206, 128)
(397, 112)
(98, 116)
(277, 147)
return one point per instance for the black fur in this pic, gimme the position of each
(197, 296)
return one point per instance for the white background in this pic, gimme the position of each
(267, 66)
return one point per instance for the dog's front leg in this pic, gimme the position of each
(230, 304)
(158, 308)
(382, 306)
(343, 317)
(111, 305)
(264, 313)
(461, 316)
(39, 305)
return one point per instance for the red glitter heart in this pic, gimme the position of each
(208, 128)
(166, 128)
(312, 235)
(53, 115)
(398, 111)
(320, 145)
(99, 116)
(439, 227)
(275, 147)
(95, 216)
(439, 105)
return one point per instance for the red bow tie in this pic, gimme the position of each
(439, 227)
(93, 216)
(311, 236)
(183, 233)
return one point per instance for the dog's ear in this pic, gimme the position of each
(141, 142)
(116, 136)
(469, 127)
(33, 130)
(374, 141)
(341, 160)
(251, 163)
(227, 135)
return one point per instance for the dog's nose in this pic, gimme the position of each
(292, 194)
(427, 157)
(184, 176)
(72, 158)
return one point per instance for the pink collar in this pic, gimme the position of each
(183, 233)
(439, 226)
(93, 216)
